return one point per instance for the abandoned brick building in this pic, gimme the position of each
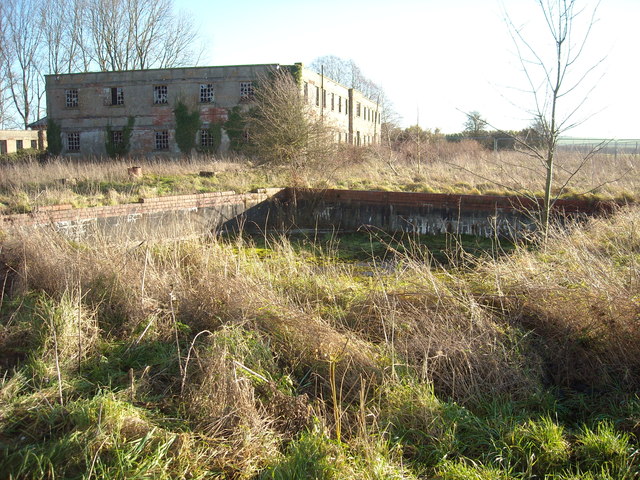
(89, 106)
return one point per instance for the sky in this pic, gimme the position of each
(437, 59)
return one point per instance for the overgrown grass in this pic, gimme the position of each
(463, 168)
(222, 358)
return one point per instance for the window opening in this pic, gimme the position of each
(117, 96)
(206, 139)
(71, 98)
(116, 137)
(246, 90)
(160, 94)
(162, 140)
(206, 93)
(73, 142)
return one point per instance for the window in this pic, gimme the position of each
(333, 101)
(206, 93)
(358, 111)
(346, 106)
(339, 104)
(73, 142)
(246, 90)
(160, 94)
(114, 96)
(19, 145)
(317, 96)
(162, 140)
(306, 91)
(34, 144)
(206, 139)
(3, 146)
(324, 98)
(71, 98)
(116, 137)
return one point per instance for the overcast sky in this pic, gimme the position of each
(436, 58)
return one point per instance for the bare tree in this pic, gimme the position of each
(557, 81)
(283, 128)
(22, 43)
(139, 34)
(347, 73)
(65, 47)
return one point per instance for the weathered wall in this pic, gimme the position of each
(205, 212)
(290, 209)
(337, 105)
(82, 104)
(94, 110)
(410, 212)
(9, 140)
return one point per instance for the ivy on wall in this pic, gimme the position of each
(296, 73)
(187, 125)
(215, 139)
(54, 138)
(235, 128)
(121, 148)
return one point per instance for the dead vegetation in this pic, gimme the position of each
(441, 167)
(209, 358)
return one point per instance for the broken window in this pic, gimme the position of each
(206, 139)
(206, 93)
(116, 137)
(73, 142)
(162, 140)
(19, 145)
(114, 96)
(159, 94)
(71, 98)
(246, 90)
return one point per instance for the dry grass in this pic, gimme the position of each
(444, 168)
(217, 356)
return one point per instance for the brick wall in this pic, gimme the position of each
(309, 209)
(64, 214)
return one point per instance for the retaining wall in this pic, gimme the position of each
(422, 213)
(293, 209)
(207, 210)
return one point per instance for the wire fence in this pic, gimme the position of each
(615, 147)
(605, 146)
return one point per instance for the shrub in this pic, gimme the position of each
(54, 138)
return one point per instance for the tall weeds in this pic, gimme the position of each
(179, 358)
